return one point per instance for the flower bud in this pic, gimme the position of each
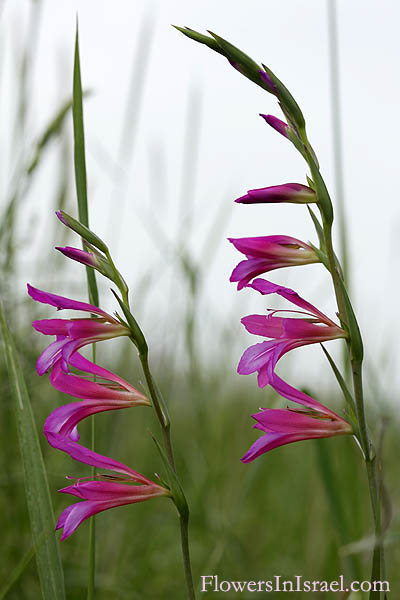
(279, 126)
(81, 230)
(295, 193)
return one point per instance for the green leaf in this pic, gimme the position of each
(356, 343)
(287, 100)
(175, 486)
(80, 163)
(343, 386)
(137, 333)
(199, 37)
(36, 486)
(323, 198)
(318, 229)
(246, 65)
(84, 232)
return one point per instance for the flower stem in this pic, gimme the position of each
(372, 475)
(163, 417)
(186, 556)
(363, 436)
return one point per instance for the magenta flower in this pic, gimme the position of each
(113, 393)
(107, 386)
(286, 333)
(268, 253)
(71, 334)
(284, 426)
(104, 494)
(295, 193)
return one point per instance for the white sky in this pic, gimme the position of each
(237, 151)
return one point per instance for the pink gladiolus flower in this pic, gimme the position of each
(112, 393)
(267, 253)
(294, 193)
(71, 334)
(105, 494)
(107, 386)
(286, 333)
(284, 426)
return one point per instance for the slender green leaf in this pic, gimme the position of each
(201, 38)
(318, 228)
(175, 486)
(36, 486)
(343, 386)
(80, 163)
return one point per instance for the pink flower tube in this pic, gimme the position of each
(71, 334)
(284, 426)
(264, 254)
(286, 333)
(103, 494)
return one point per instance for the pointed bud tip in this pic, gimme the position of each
(61, 217)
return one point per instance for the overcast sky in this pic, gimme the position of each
(236, 149)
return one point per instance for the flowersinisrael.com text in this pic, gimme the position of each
(212, 583)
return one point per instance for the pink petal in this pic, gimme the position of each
(60, 302)
(267, 287)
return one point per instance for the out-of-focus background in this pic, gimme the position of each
(172, 137)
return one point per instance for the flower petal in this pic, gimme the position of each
(60, 302)
(267, 287)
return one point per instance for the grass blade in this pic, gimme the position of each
(80, 163)
(36, 486)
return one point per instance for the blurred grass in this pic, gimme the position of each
(271, 517)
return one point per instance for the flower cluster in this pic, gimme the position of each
(98, 390)
(264, 254)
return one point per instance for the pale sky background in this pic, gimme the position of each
(237, 151)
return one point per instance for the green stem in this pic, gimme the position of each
(355, 355)
(163, 418)
(372, 475)
(362, 424)
(186, 557)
